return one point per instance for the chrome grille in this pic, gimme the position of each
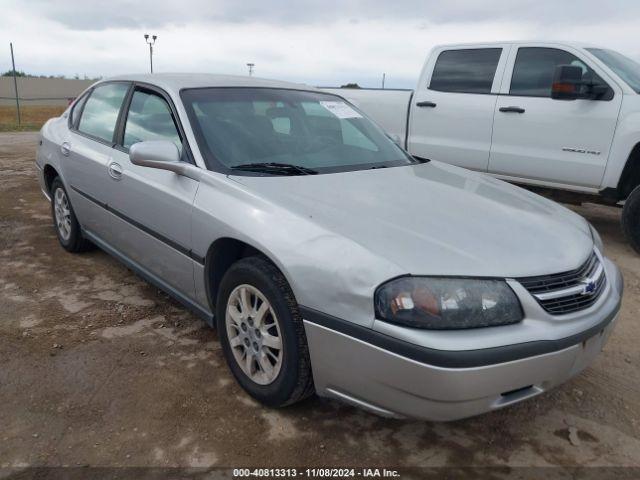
(568, 292)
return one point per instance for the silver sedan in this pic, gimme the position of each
(328, 258)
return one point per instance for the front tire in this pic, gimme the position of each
(631, 219)
(262, 333)
(65, 221)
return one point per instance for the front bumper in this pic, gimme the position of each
(370, 372)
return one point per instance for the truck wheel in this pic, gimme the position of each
(631, 219)
(65, 221)
(262, 334)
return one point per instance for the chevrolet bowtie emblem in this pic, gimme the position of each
(589, 287)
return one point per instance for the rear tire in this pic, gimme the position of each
(64, 220)
(269, 357)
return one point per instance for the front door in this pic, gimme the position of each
(151, 207)
(538, 138)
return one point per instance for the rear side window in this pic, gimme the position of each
(77, 109)
(535, 67)
(150, 118)
(100, 112)
(465, 71)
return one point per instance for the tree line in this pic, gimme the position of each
(20, 73)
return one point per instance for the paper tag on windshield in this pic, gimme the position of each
(340, 109)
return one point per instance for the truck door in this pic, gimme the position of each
(545, 141)
(452, 109)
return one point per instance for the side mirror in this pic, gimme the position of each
(567, 82)
(154, 154)
(163, 155)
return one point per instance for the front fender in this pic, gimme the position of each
(627, 136)
(326, 271)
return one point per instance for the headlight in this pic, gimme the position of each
(597, 241)
(447, 303)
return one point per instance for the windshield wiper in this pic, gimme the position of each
(275, 168)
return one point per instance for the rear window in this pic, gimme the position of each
(465, 71)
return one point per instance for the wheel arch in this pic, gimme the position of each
(50, 173)
(630, 177)
(223, 253)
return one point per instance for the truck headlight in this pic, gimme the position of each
(447, 303)
(597, 241)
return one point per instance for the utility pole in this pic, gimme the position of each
(251, 65)
(150, 43)
(15, 82)
(383, 77)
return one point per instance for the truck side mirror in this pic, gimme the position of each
(567, 82)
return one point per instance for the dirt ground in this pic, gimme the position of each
(99, 368)
(31, 117)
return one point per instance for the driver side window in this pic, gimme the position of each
(535, 67)
(150, 118)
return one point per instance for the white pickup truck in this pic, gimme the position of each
(559, 117)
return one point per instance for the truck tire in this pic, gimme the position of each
(262, 334)
(631, 219)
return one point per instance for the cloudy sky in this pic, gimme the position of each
(324, 42)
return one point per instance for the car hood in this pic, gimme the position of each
(436, 219)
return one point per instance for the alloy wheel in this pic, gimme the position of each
(62, 214)
(254, 334)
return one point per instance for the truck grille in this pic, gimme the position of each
(568, 292)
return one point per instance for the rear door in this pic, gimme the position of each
(152, 208)
(542, 140)
(452, 109)
(87, 153)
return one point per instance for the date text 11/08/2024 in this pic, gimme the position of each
(316, 472)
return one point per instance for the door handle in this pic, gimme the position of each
(65, 148)
(512, 109)
(115, 170)
(426, 104)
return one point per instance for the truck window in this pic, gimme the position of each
(465, 71)
(624, 67)
(534, 69)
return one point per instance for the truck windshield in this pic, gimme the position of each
(627, 69)
(285, 132)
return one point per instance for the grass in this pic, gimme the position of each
(33, 117)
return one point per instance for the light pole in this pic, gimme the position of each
(251, 65)
(150, 43)
(15, 83)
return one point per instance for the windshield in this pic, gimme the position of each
(627, 69)
(246, 129)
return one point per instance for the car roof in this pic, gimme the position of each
(178, 81)
(518, 42)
